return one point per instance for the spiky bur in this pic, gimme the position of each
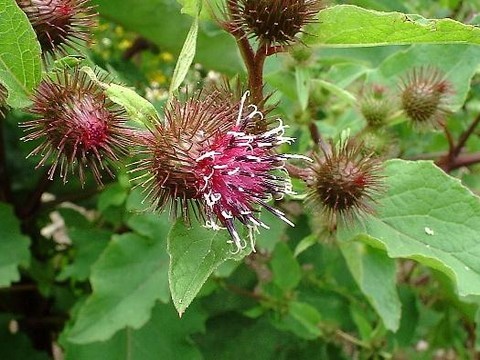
(202, 159)
(59, 24)
(343, 181)
(376, 106)
(424, 97)
(273, 22)
(232, 91)
(78, 126)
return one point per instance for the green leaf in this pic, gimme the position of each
(165, 336)
(114, 195)
(138, 108)
(307, 320)
(186, 56)
(151, 225)
(88, 245)
(161, 22)
(285, 268)
(375, 275)
(268, 239)
(302, 78)
(14, 247)
(427, 216)
(20, 61)
(195, 253)
(127, 280)
(346, 25)
(336, 90)
(305, 244)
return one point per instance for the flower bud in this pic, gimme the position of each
(203, 159)
(376, 106)
(274, 22)
(343, 181)
(59, 24)
(424, 96)
(77, 124)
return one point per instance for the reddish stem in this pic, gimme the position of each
(255, 75)
(465, 135)
(454, 159)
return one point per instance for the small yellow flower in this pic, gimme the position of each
(158, 77)
(124, 44)
(166, 57)
(119, 31)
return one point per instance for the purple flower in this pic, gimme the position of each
(204, 160)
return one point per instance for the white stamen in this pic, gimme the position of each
(210, 224)
(212, 199)
(242, 104)
(234, 171)
(251, 237)
(254, 112)
(210, 154)
(227, 215)
(297, 156)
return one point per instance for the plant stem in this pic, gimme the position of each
(242, 41)
(255, 75)
(465, 135)
(454, 159)
(297, 172)
(254, 62)
(351, 339)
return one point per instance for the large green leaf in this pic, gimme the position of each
(127, 280)
(165, 336)
(428, 216)
(20, 61)
(13, 246)
(347, 25)
(195, 253)
(88, 244)
(375, 275)
(162, 22)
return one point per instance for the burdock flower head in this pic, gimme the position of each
(343, 180)
(59, 24)
(424, 96)
(202, 159)
(78, 125)
(273, 22)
